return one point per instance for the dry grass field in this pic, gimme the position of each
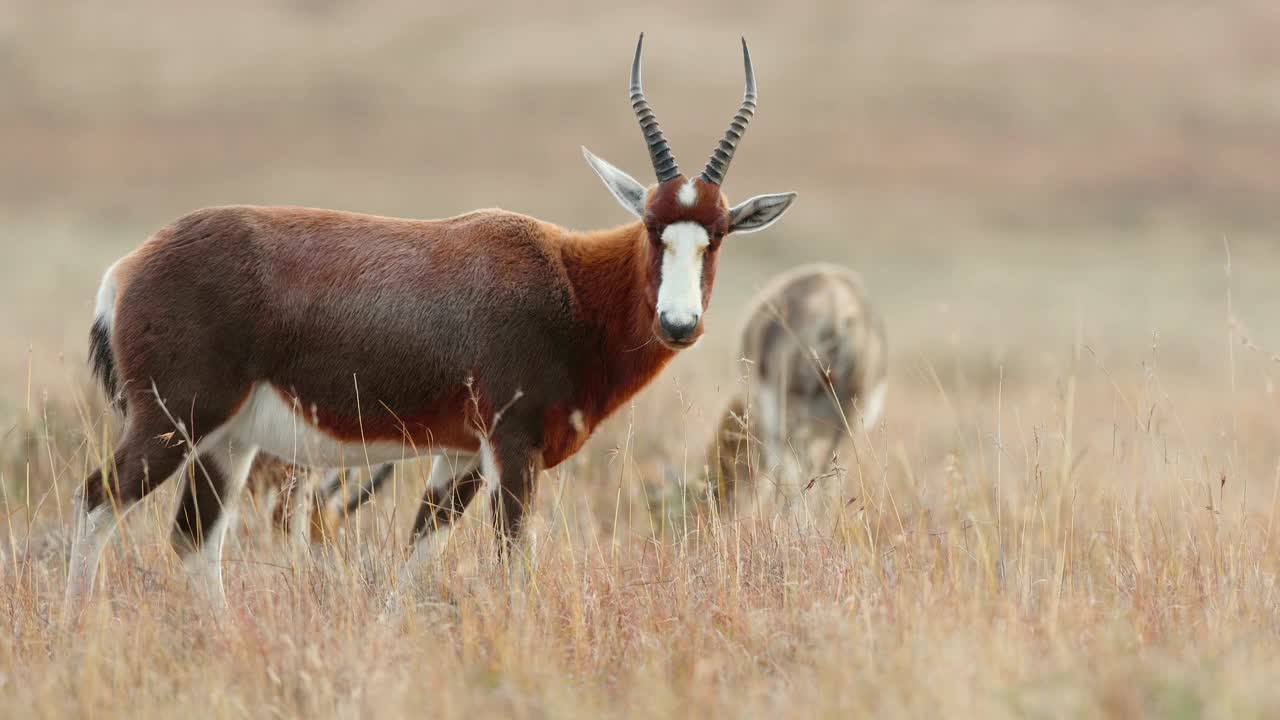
(1067, 212)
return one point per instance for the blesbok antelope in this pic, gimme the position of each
(816, 359)
(329, 338)
(307, 510)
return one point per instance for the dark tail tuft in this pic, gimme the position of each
(103, 362)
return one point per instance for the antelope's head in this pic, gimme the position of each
(686, 219)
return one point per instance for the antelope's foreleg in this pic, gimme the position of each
(518, 466)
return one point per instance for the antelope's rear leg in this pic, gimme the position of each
(450, 489)
(140, 463)
(369, 490)
(212, 484)
(449, 492)
(328, 514)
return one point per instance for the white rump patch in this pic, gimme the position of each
(680, 291)
(688, 194)
(104, 308)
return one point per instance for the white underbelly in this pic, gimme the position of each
(267, 422)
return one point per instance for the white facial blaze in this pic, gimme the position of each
(680, 290)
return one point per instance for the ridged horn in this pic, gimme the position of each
(718, 164)
(664, 164)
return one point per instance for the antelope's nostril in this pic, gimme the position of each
(678, 327)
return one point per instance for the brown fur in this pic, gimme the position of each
(469, 315)
(206, 282)
(489, 330)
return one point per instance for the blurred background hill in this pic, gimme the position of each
(1007, 176)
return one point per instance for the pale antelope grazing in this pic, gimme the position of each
(816, 358)
(310, 511)
(329, 338)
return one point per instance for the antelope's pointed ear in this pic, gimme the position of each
(625, 188)
(759, 212)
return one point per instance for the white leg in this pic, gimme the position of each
(203, 564)
(134, 461)
(426, 553)
(428, 550)
(91, 533)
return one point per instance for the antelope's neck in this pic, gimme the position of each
(609, 276)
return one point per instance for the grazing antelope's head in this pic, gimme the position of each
(686, 219)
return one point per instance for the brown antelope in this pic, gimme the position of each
(816, 356)
(330, 338)
(313, 511)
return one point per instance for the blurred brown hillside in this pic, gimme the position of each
(997, 169)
